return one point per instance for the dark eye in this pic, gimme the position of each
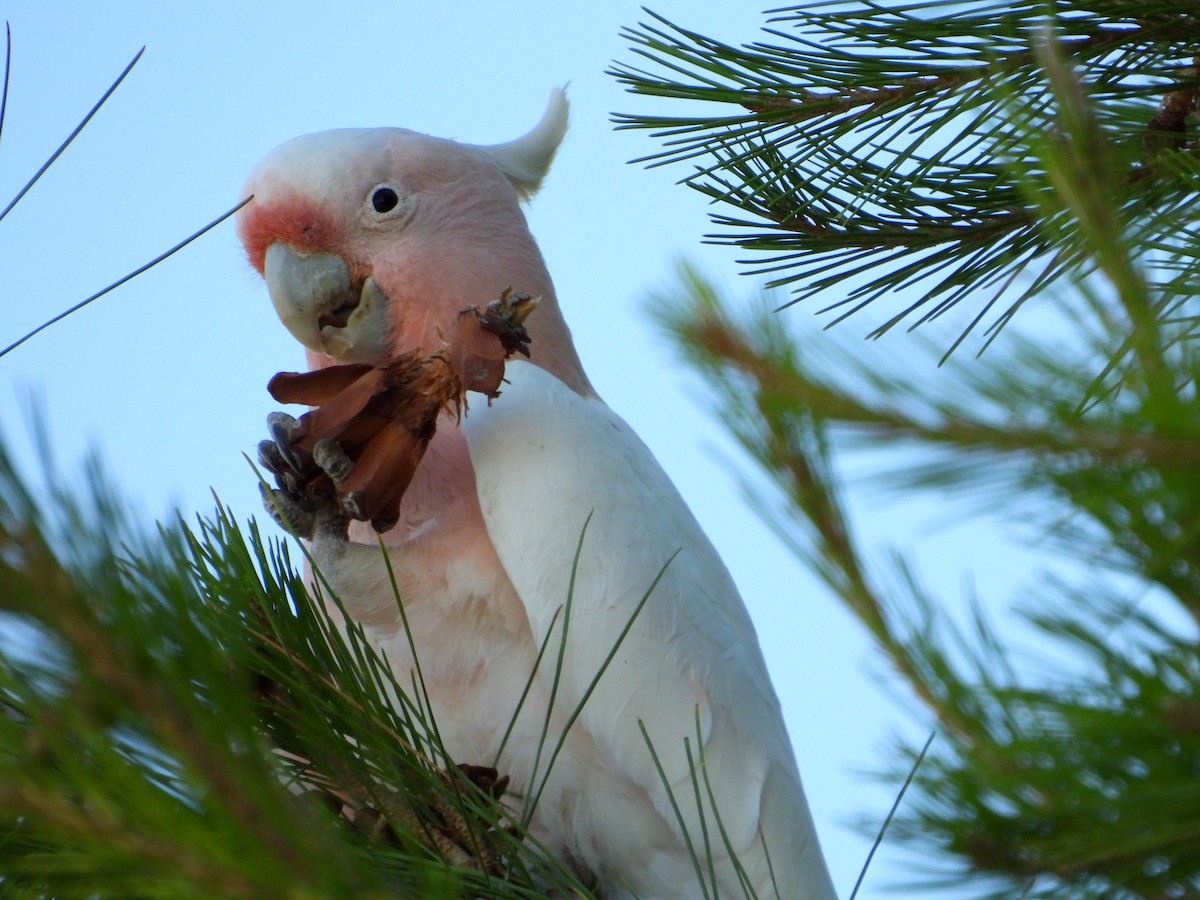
(384, 200)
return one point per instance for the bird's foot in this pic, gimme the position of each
(293, 504)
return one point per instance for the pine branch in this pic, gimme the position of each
(872, 149)
(1051, 781)
(188, 723)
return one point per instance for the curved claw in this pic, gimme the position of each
(271, 458)
(281, 426)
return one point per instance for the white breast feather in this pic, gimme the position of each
(545, 459)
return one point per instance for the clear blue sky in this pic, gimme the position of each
(167, 375)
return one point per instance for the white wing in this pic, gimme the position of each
(545, 460)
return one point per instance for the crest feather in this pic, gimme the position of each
(527, 159)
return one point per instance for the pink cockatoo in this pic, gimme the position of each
(371, 241)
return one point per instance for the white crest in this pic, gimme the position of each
(527, 159)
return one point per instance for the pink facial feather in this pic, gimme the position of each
(290, 219)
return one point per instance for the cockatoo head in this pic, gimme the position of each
(372, 240)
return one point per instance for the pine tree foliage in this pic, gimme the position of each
(1076, 774)
(871, 147)
(981, 154)
(184, 720)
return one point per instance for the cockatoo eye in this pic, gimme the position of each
(385, 200)
(384, 204)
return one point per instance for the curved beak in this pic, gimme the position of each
(318, 304)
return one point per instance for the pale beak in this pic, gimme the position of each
(317, 303)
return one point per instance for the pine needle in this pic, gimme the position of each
(74, 134)
(120, 281)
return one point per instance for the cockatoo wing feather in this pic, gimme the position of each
(553, 467)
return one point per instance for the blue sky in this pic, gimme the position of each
(167, 375)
